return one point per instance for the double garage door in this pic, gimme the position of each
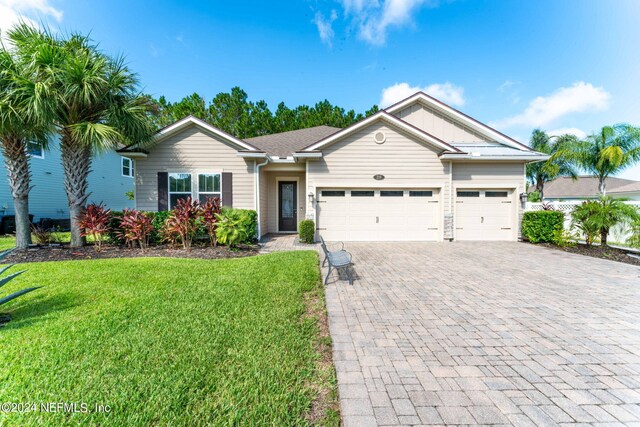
(413, 214)
(379, 214)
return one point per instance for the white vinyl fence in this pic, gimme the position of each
(618, 234)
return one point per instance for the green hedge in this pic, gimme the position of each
(541, 226)
(249, 224)
(307, 231)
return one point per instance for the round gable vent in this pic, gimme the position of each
(379, 137)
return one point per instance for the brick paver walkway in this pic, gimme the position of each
(484, 333)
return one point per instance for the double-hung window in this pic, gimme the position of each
(209, 186)
(179, 187)
(127, 167)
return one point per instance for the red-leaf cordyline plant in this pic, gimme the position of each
(209, 211)
(94, 221)
(183, 222)
(136, 226)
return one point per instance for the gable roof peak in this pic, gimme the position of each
(430, 101)
(390, 119)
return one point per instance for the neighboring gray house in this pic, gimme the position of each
(418, 170)
(586, 187)
(110, 179)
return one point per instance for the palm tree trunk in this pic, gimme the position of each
(16, 161)
(602, 186)
(603, 238)
(76, 162)
(540, 189)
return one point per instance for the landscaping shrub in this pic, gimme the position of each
(114, 234)
(236, 226)
(540, 226)
(534, 197)
(183, 222)
(43, 236)
(137, 227)
(582, 220)
(307, 231)
(564, 239)
(208, 213)
(599, 216)
(159, 219)
(94, 222)
(634, 238)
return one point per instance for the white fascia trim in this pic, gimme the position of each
(307, 155)
(538, 158)
(252, 155)
(386, 117)
(478, 127)
(275, 159)
(133, 155)
(200, 123)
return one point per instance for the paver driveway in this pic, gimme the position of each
(485, 333)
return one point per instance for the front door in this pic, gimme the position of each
(287, 211)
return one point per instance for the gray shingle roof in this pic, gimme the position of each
(286, 143)
(585, 186)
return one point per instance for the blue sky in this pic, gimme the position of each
(558, 65)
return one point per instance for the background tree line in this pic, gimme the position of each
(235, 114)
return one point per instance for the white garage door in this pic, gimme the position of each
(379, 214)
(486, 214)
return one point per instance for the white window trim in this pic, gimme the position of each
(131, 167)
(197, 185)
(169, 192)
(35, 156)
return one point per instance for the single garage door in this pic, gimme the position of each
(379, 214)
(486, 214)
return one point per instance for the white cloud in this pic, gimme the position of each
(445, 92)
(29, 11)
(373, 18)
(506, 85)
(563, 131)
(325, 26)
(578, 98)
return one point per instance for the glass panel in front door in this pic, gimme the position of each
(287, 200)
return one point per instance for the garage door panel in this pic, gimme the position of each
(484, 217)
(394, 217)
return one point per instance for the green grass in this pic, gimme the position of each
(165, 341)
(9, 241)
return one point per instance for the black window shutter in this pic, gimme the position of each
(163, 191)
(227, 189)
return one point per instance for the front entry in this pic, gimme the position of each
(287, 212)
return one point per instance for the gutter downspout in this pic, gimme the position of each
(258, 166)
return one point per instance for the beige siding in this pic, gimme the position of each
(272, 178)
(492, 175)
(437, 124)
(353, 161)
(193, 151)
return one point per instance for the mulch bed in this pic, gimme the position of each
(65, 253)
(612, 254)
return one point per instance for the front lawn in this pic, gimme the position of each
(168, 342)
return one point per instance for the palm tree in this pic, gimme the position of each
(559, 164)
(609, 151)
(96, 105)
(22, 120)
(609, 212)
